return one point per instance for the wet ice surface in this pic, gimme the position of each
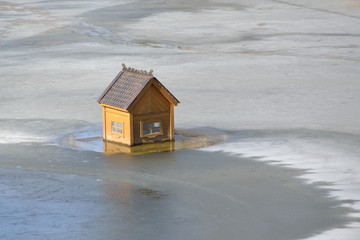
(325, 156)
(50, 191)
(255, 66)
(53, 192)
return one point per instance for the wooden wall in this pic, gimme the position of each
(110, 115)
(163, 118)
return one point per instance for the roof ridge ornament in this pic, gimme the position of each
(129, 69)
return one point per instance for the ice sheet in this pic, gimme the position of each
(250, 65)
(327, 157)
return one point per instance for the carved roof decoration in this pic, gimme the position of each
(150, 73)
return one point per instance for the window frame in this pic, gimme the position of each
(117, 133)
(151, 134)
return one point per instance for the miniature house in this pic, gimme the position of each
(137, 109)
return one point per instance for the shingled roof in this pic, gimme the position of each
(126, 86)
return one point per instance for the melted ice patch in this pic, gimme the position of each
(333, 158)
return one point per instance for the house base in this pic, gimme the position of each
(184, 139)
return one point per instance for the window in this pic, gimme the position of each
(151, 128)
(116, 127)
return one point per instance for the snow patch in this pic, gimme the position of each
(7, 137)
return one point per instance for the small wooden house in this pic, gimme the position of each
(137, 109)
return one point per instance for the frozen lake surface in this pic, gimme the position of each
(53, 192)
(281, 77)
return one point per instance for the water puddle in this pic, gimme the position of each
(184, 139)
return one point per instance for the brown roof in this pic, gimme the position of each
(126, 86)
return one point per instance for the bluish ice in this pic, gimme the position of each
(281, 78)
